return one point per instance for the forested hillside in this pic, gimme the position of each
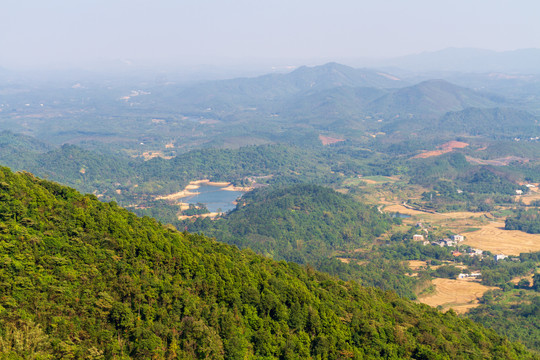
(298, 223)
(85, 279)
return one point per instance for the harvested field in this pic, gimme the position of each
(459, 295)
(403, 210)
(417, 264)
(494, 238)
(327, 140)
(443, 149)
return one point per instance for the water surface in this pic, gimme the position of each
(215, 198)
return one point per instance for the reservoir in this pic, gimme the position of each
(214, 198)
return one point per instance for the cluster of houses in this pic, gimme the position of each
(454, 241)
(520, 192)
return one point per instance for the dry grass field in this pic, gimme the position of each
(494, 238)
(459, 295)
(403, 210)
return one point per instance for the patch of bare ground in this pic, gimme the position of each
(443, 149)
(327, 140)
(207, 215)
(177, 195)
(493, 237)
(459, 295)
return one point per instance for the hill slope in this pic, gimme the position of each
(430, 98)
(85, 279)
(494, 123)
(298, 223)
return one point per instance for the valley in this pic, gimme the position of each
(359, 176)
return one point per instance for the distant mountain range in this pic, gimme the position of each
(522, 61)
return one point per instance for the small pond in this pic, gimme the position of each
(400, 215)
(214, 198)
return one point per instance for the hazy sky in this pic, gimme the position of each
(44, 33)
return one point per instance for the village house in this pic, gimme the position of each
(500, 257)
(476, 252)
(458, 238)
(418, 237)
(471, 275)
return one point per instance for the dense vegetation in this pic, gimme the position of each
(513, 313)
(525, 220)
(310, 224)
(298, 223)
(85, 279)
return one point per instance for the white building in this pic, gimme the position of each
(458, 238)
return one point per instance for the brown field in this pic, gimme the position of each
(403, 210)
(444, 148)
(327, 140)
(417, 264)
(494, 238)
(459, 295)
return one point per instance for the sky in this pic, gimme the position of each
(75, 33)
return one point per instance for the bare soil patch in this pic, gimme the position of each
(443, 149)
(493, 237)
(327, 140)
(207, 215)
(459, 295)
